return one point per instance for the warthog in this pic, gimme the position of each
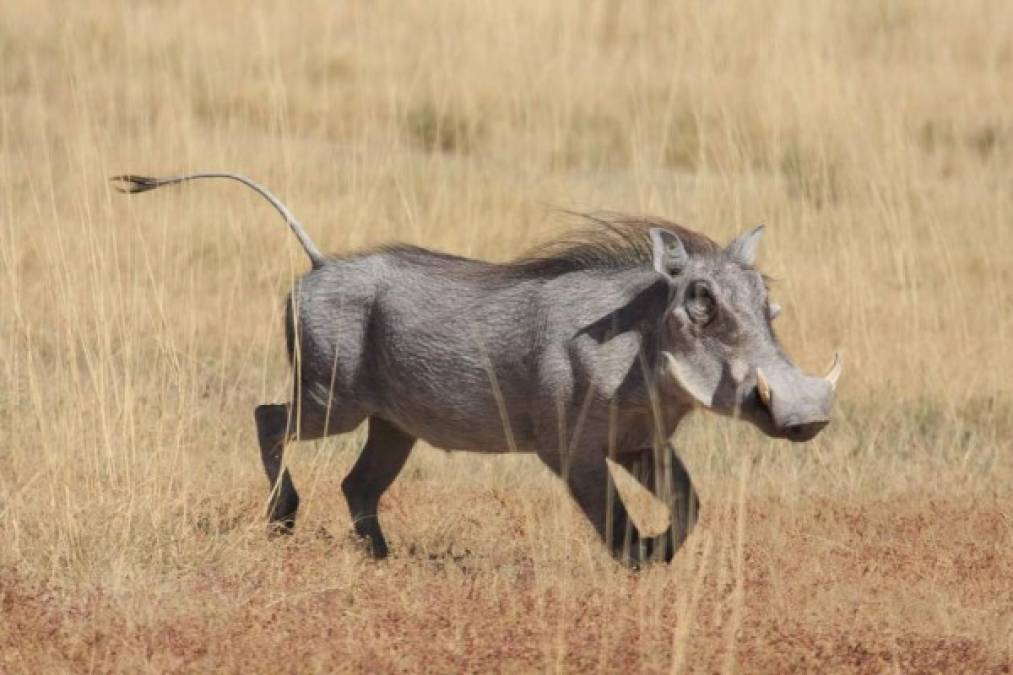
(590, 348)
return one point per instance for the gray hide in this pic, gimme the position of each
(593, 348)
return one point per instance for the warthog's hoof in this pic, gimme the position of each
(278, 528)
(375, 549)
(649, 550)
(281, 515)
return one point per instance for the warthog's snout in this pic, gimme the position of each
(799, 405)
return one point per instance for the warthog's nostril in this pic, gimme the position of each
(804, 432)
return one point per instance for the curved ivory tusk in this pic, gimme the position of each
(763, 387)
(835, 371)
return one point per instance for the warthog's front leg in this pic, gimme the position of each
(588, 478)
(677, 492)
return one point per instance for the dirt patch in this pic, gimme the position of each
(916, 584)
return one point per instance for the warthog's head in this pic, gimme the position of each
(718, 348)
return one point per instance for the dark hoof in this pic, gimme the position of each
(378, 550)
(281, 521)
(367, 528)
(374, 549)
(280, 528)
(281, 516)
(649, 551)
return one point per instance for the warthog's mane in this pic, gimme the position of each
(603, 241)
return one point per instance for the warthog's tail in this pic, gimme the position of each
(131, 184)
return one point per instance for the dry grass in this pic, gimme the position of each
(136, 335)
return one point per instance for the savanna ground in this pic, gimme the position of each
(137, 334)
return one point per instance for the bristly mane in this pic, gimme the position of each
(607, 241)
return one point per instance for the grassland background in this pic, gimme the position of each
(875, 139)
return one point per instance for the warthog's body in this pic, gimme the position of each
(469, 355)
(591, 350)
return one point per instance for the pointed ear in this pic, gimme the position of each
(743, 249)
(668, 253)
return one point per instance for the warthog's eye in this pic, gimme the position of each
(700, 304)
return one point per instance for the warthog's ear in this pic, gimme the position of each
(668, 253)
(743, 249)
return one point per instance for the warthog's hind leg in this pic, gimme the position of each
(385, 453)
(678, 494)
(273, 433)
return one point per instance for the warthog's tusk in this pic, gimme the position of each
(835, 371)
(763, 387)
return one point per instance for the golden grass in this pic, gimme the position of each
(137, 334)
